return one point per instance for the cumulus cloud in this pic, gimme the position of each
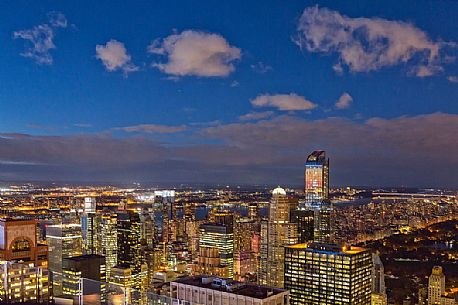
(40, 39)
(114, 57)
(288, 102)
(367, 44)
(195, 53)
(344, 101)
(153, 128)
(256, 116)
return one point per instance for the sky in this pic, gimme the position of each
(229, 92)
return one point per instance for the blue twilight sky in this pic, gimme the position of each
(229, 92)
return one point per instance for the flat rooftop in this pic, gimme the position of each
(329, 248)
(249, 290)
(84, 257)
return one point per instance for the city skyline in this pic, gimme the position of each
(154, 92)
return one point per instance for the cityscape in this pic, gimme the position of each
(205, 153)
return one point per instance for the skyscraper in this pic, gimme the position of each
(276, 233)
(90, 227)
(129, 253)
(317, 195)
(109, 241)
(216, 249)
(89, 268)
(325, 274)
(379, 296)
(304, 218)
(64, 240)
(436, 286)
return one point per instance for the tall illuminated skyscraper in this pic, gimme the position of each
(436, 286)
(90, 226)
(64, 240)
(276, 233)
(317, 195)
(109, 241)
(326, 274)
(216, 249)
(379, 296)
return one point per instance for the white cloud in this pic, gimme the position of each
(40, 39)
(195, 53)
(286, 102)
(367, 44)
(344, 101)
(114, 57)
(256, 116)
(452, 79)
(153, 128)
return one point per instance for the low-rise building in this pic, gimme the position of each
(206, 290)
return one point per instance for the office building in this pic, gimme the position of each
(24, 283)
(317, 195)
(216, 250)
(328, 274)
(207, 290)
(129, 252)
(276, 233)
(90, 227)
(85, 275)
(304, 218)
(64, 240)
(109, 241)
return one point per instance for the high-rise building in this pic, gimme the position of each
(304, 218)
(379, 296)
(90, 227)
(245, 258)
(216, 250)
(129, 252)
(109, 241)
(325, 274)
(436, 286)
(85, 274)
(276, 233)
(64, 240)
(317, 195)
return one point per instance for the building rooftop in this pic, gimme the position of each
(231, 286)
(84, 257)
(329, 248)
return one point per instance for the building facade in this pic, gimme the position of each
(276, 233)
(317, 195)
(328, 274)
(216, 250)
(85, 275)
